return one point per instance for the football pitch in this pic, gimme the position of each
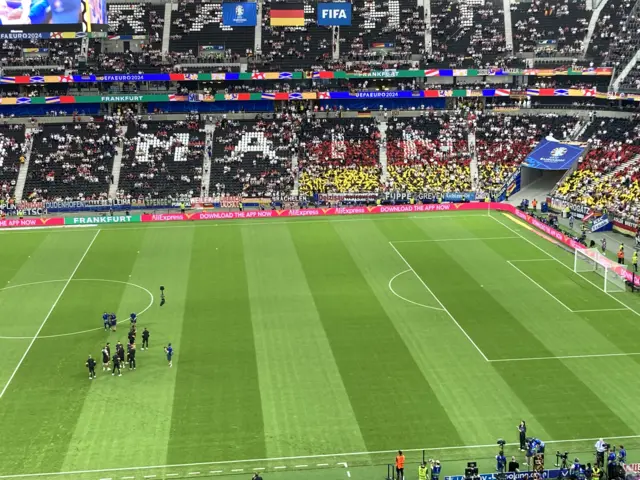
(307, 348)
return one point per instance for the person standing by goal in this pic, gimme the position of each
(400, 465)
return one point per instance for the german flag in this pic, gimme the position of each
(287, 15)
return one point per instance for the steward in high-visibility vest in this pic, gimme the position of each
(422, 471)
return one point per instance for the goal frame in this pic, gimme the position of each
(602, 266)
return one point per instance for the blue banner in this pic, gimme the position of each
(334, 14)
(385, 94)
(601, 224)
(552, 155)
(458, 197)
(239, 14)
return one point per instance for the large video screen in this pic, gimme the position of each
(53, 15)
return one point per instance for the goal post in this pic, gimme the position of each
(590, 260)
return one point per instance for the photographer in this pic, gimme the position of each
(575, 468)
(601, 448)
(622, 455)
(501, 462)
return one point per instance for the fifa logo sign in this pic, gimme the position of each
(334, 14)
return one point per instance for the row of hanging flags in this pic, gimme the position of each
(293, 96)
(317, 75)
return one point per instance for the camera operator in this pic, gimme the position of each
(601, 448)
(588, 472)
(501, 462)
(576, 469)
(514, 466)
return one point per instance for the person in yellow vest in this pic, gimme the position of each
(240, 206)
(20, 214)
(634, 261)
(422, 471)
(487, 199)
(22, 159)
(412, 201)
(567, 212)
(182, 209)
(597, 471)
(378, 202)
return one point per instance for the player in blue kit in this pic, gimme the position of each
(133, 318)
(105, 320)
(34, 12)
(169, 351)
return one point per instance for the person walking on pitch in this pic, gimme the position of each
(91, 365)
(145, 339)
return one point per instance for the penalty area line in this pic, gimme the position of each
(300, 457)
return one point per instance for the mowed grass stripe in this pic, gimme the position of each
(305, 406)
(386, 388)
(545, 387)
(145, 397)
(46, 397)
(217, 410)
(445, 356)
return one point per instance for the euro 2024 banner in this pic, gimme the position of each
(239, 14)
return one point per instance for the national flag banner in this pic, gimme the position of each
(66, 78)
(365, 114)
(533, 92)
(460, 72)
(23, 79)
(547, 92)
(295, 96)
(173, 97)
(55, 35)
(432, 72)
(7, 80)
(285, 75)
(561, 92)
(232, 76)
(324, 95)
(257, 76)
(309, 96)
(268, 96)
(445, 93)
(604, 71)
(287, 15)
(67, 99)
(479, 93)
(191, 76)
(590, 92)
(496, 71)
(322, 74)
(23, 100)
(52, 100)
(502, 92)
(576, 92)
(218, 76)
(271, 76)
(37, 79)
(7, 101)
(446, 73)
(431, 93)
(282, 96)
(51, 79)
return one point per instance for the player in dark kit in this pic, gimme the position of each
(113, 322)
(91, 365)
(105, 320)
(131, 336)
(162, 296)
(120, 352)
(106, 355)
(145, 339)
(116, 365)
(132, 356)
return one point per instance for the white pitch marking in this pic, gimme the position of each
(301, 466)
(344, 464)
(601, 310)
(562, 357)
(170, 475)
(533, 260)
(541, 287)
(55, 303)
(129, 478)
(238, 470)
(406, 299)
(258, 469)
(323, 465)
(149, 476)
(198, 473)
(106, 478)
(565, 265)
(467, 239)
(278, 468)
(77, 280)
(299, 457)
(439, 302)
(348, 474)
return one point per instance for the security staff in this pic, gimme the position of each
(597, 471)
(182, 209)
(422, 471)
(400, 465)
(634, 261)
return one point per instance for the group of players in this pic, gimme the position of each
(117, 362)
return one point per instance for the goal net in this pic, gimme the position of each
(603, 269)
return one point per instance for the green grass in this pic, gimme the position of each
(292, 340)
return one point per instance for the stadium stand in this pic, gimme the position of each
(162, 159)
(608, 176)
(549, 26)
(467, 35)
(12, 149)
(608, 28)
(253, 158)
(339, 156)
(72, 161)
(195, 25)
